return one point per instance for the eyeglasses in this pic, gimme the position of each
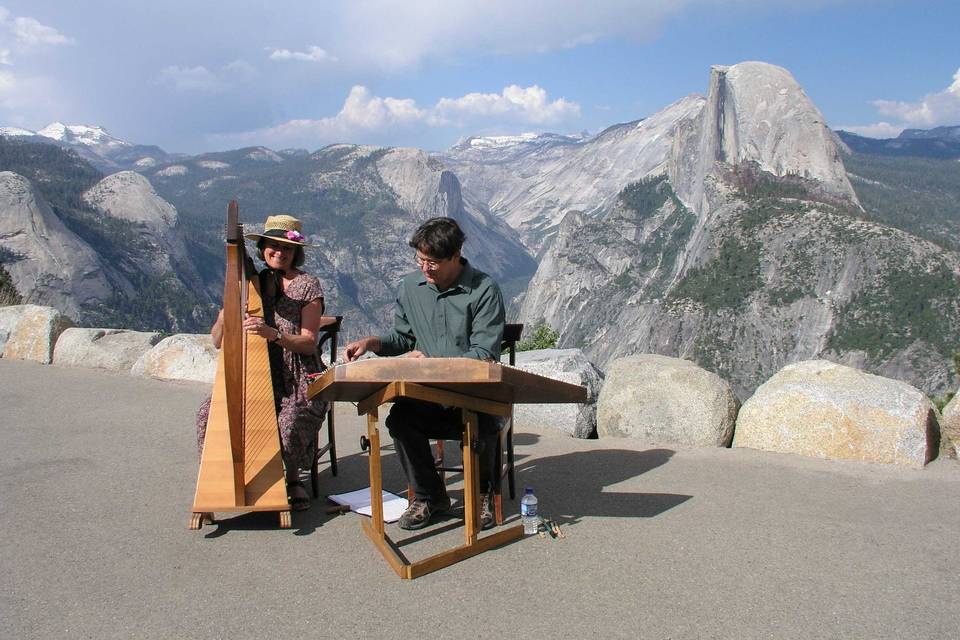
(428, 263)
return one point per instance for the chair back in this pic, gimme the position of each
(511, 335)
(329, 332)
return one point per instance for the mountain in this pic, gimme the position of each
(47, 262)
(107, 251)
(359, 206)
(94, 144)
(733, 229)
(939, 133)
(531, 183)
(942, 143)
(739, 242)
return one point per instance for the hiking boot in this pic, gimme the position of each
(486, 513)
(418, 514)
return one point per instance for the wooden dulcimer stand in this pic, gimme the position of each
(241, 468)
(474, 387)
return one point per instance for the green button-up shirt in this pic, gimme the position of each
(465, 321)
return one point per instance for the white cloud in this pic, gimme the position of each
(21, 35)
(529, 105)
(364, 113)
(933, 110)
(199, 79)
(361, 111)
(24, 92)
(30, 32)
(312, 54)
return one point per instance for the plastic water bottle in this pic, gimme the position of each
(528, 512)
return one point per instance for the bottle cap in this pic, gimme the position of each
(529, 491)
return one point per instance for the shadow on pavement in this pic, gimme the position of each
(569, 486)
(572, 486)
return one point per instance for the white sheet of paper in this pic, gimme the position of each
(359, 501)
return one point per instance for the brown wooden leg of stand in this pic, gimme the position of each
(376, 479)
(374, 528)
(471, 478)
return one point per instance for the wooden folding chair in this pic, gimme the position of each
(329, 332)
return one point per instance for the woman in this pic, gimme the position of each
(293, 308)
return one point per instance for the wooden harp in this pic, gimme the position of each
(241, 468)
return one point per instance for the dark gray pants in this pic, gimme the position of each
(412, 423)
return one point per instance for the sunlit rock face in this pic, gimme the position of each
(746, 250)
(48, 263)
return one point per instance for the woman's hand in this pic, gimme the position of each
(256, 325)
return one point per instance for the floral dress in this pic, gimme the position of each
(298, 418)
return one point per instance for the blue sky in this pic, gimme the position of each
(196, 76)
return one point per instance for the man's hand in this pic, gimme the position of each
(356, 349)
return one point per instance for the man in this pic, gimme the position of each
(448, 309)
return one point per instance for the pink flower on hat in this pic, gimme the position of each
(294, 235)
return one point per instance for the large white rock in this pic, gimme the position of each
(665, 400)
(826, 410)
(111, 349)
(54, 266)
(129, 196)
(32, 331)
(950, 428)
(9, 317)
(566, 365)
(184, 356)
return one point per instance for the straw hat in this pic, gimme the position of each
(282, 228)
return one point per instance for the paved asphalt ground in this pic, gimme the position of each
(98, 473)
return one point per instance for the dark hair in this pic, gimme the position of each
(298, 256)
(438, 238)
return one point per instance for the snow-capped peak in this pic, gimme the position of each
(80, 134)
(501, 141)
(15, 131)
(515, 142)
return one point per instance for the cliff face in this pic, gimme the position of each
(748, 252)
(162, 249)
(532, 183)
(755, 112)
(50, 265)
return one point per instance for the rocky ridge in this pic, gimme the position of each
(747, 252)
(532, 184)
(50, 264)
(94, 144)
(359, 205)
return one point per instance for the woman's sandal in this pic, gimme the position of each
(297, 503)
